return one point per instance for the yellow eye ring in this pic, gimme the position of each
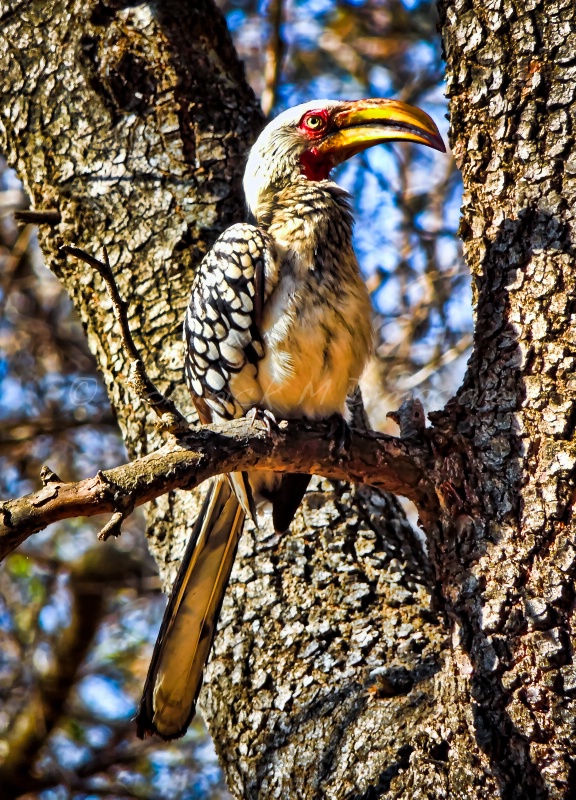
(314, 122)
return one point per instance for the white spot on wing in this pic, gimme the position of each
(199, 345)
(233, 355)
(212, 351)
(200, 362)
(214, 380)
(246, 302)
(242, 320)
(234, 272)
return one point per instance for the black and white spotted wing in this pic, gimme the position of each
(221, 327)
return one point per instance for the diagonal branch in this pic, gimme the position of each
(170, 417)
(398, 465)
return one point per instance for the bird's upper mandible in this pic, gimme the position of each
(310, 139)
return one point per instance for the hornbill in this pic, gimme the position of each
(278, 323)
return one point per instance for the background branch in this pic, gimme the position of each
(274, 55)
(91, 580)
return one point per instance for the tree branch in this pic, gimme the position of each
(274, 55)
(22, 430)
(38, 216)
(397, 465)
(169, 416)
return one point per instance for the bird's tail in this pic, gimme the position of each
(183, 645)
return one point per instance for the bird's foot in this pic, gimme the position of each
(340, 436)
(263, 415)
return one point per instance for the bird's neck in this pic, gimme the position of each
(306, 217)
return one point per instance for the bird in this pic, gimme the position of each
(279, 325)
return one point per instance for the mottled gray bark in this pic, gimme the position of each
(504, 552)
(133, 121)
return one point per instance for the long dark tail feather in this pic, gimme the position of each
(175, 675)
(287, 498)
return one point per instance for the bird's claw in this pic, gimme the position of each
(340, 435)
(263, 415)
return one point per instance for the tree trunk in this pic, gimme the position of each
(503, 552)
(332, 676)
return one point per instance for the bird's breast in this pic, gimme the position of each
(317, 337)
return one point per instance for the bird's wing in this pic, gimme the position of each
(222, 325)
(223, 345)
(222, 330)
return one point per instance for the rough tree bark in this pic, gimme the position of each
(334, 672)
(503, 553)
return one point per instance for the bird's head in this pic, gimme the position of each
(310, 139)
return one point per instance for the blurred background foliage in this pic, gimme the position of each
(78, 619)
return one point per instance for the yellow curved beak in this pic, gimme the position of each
(366, 123)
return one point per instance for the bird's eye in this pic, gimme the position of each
(315, 122)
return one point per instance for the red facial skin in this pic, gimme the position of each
(315, 166)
